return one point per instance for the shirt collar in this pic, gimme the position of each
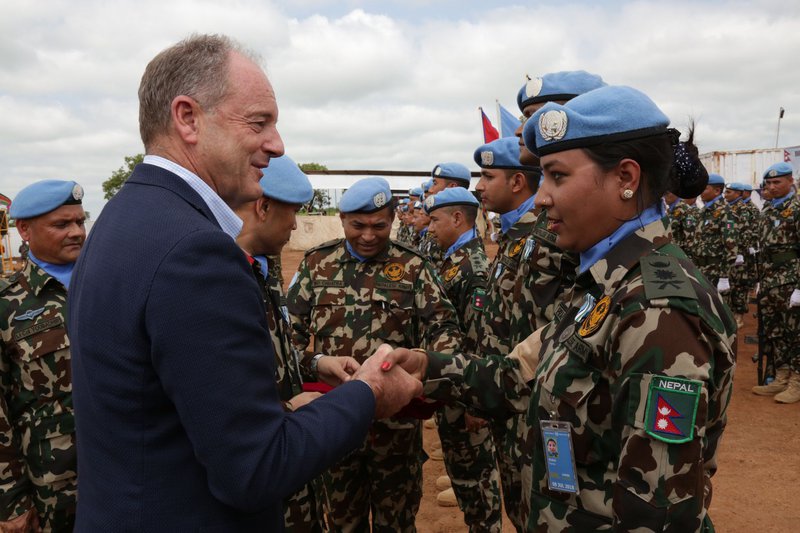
(226, 218)
(352, 252)
(62, 273)
(708, 204)
(507, 220)
(777, 202)
(463, 239)
(602, 248)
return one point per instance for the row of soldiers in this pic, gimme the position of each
(742, 249)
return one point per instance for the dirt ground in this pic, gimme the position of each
(758, 462)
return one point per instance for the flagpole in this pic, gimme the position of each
(778, 134)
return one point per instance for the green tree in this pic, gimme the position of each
(113, 184)
(321, 198)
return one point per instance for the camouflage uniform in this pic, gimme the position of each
(743, 277)
(351, 308)
(715, 241)
(469, 456)
(430, 250)
(500, 328)
(655, 322)
(779, 239)
(683, 223)
(404, 233)
(37, 426)
(303, 511)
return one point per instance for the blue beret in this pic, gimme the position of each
(716, 179)
(366, 196)
(608, 114)
(501, 153)
(777, 170)
(416, 191)
(417, 205)
(448, 197)
(736, 186)
(426, 185)
(557, 86)
(44, 196)
(284, 181)
(452, 171)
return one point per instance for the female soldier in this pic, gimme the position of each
(634, 374)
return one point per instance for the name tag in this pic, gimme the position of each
(559, 456)
(44, 325)
(328, 283)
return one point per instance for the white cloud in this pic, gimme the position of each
(392, 85)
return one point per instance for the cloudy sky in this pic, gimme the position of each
(389, 84)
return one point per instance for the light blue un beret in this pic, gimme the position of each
(448, 197)
(44, 196)
(554, 86)
(452, 171)
(777, 170)
(500, 153)
(284, 181)
(416, 191)
(608, 114)
(366, 196)
(736, 186)
(715, 179)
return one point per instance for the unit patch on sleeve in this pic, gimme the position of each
(672, 408)
(479, 299)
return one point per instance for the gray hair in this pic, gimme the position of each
(196, 67)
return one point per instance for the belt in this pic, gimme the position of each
(778, 258)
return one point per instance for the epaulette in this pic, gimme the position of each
(664, 277)
(479, 265)
(326, 244)
(406, 247)
(6, 283)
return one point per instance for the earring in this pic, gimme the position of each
(627, 194)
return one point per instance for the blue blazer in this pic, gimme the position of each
(179, 425)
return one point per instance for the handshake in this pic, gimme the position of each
(394, 375)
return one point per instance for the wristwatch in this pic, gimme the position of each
(315, 363)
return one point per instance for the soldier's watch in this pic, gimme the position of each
(315, 364)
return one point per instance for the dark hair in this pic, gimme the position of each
(531, 177)
(667, 163)
(470, 212)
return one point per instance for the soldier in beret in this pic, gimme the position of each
(267, 226)
(633, 377)
(352, 295)
(682, 214)
(466, 440)
(715, 247)
(779, 285)
(742, 273)
(38, 463)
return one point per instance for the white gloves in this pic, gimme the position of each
(739, 260)
(751, 251)
(723, 285)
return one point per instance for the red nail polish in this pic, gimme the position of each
(386, 365)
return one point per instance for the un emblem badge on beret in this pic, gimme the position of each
(533, 87)
(430, 201)
(77, 192)
(379, 199)
(553, 125)
(437, 171)
(487, 158)
(772, 173)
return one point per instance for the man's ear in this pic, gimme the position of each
(518, 182)
(186, 116)
(24, 229)
(261, 207)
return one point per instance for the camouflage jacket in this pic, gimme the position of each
(38, 460)
(779, 237)
(504, 294)
(683, 224)
(640, 364)
(464, 274)
(351, 308)
(430, 250)
(547, 273)
(714, 241)
(748, 217)
(403, 234)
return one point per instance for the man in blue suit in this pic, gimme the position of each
(179, 423)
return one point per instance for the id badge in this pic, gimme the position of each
(559, 457)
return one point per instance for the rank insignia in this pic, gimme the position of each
(30, 314)
(451, 273)
(672, 408)
(479, 299)
(394, 271)
(517, 247)
(595, 319)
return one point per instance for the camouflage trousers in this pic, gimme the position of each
(781, 326)
(382, 477)
(303, 511)
(741, 283)
(471, 464)
(513, 449)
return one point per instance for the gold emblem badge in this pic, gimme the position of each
(595, 319)
(394, 271)
(786, 213)
(517, 247)
(451, 273)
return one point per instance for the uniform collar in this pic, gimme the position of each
(61, 273)
(711, 202)
(463, 239)
(380, 256)
(777, 202)
(507, 220)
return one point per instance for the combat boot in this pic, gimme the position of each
(447, 498)
(779, 385)
(792, 392)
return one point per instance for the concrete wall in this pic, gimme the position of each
(314, 230)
